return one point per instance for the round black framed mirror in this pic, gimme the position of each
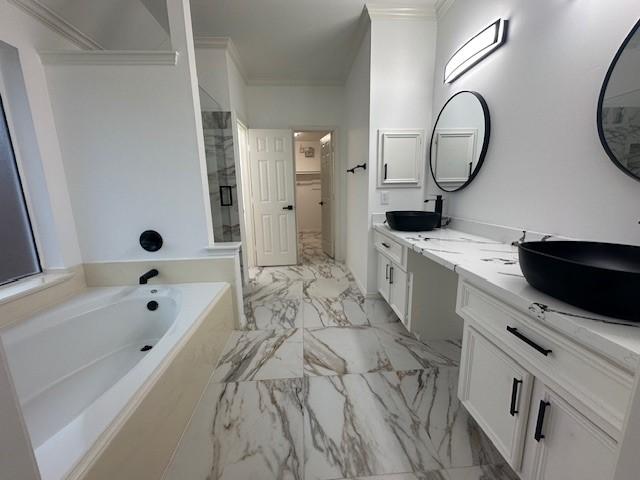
(619, 106)
(459, 141)
(151, 240)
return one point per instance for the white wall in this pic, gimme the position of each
(307, 164)
(237, 90)
(306, 108)
(213, 77)
(357, 188)
(402, 63)
(545, 169)
(131, 138)
(308, 209)
(308, 188)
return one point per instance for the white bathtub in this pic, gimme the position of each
(78, 366)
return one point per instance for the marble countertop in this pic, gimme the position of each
(493, 266)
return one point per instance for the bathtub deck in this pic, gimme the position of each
(327, 385)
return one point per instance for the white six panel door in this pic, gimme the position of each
(272, 187)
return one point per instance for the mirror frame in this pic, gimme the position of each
(485, 140)
(605, 84)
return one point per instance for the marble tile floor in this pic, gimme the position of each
(324, 385)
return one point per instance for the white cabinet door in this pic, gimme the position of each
(384, 266)
(400, 158)
(398, 291)
(496, 392)
(562, 443)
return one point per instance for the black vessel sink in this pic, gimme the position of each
(603, 278)
(412, 220)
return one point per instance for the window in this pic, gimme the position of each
(18, 255)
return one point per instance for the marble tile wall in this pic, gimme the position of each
(221, 171)
(327, 385)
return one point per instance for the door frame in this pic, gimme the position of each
(248, 254)
(338, 184)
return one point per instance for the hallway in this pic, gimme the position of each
(327, 385)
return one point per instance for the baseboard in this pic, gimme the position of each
(363, 291)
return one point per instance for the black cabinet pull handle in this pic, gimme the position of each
(514, 331)
(542, 409)
(514, 397)
(391, 275)
(385, 171)
(386, 245)
(386, 272)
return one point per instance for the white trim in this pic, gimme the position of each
(400, 13)
(223, 249)
(222, 43)
(109, 57)
(34, 283)
(55, 22)
(443, 6)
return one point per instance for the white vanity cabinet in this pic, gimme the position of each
(496, 391)
(553, 408)
(384, 287)
(392, 278)
(562, 443)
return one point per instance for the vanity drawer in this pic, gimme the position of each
(599, 385)
(391, 248)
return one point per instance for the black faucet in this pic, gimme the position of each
(146, 276)
(438, 208)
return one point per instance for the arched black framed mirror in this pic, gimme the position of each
(619, 107)
(459, 141)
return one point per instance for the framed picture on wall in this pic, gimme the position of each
(309, 152)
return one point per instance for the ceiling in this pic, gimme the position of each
(303, 42)
(116, 24)
(310, 136)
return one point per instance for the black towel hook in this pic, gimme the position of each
(353, 170)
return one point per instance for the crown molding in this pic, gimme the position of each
(56, 23)
(443, 6)
(108, 57)
(222, 43)
(376, 11)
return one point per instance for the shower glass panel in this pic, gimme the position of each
(221, 173)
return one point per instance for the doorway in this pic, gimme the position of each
(313, 152)
(290, 196)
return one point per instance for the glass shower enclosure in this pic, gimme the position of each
(221, 174)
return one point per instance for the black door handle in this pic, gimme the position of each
(514, 397)
(321, 203)
(542, 409)
(288, 207)
(514, 331)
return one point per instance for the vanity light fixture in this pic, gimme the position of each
(472, 52)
